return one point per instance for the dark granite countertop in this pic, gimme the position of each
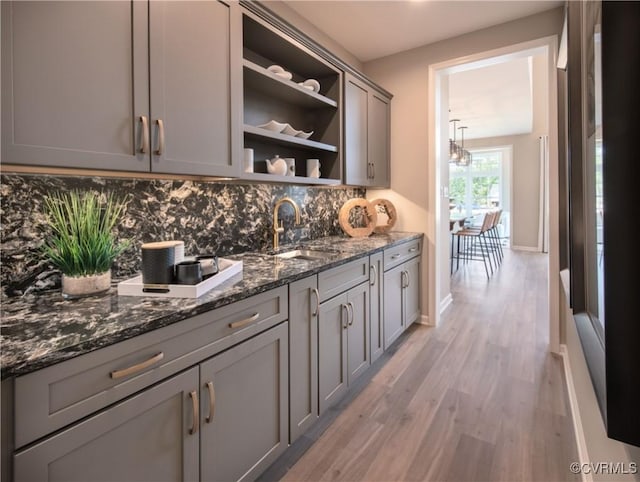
(43, 329)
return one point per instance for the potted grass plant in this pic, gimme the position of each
(83, 242)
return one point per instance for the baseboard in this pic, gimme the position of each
(581, 441)
(424, 320)
(444, 304)
(533, 249)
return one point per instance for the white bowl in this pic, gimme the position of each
(290, 131)
(308, 87)
(312, 84)
(280, 72)
(304, 135)
(274, 126)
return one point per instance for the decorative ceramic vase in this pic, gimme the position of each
(81, 286)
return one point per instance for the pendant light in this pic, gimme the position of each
(454, 149)
(464, 158)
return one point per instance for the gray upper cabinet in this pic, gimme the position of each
(304, 301)
(148, 437)
(195, 87)
(367, 134)
(244, 408)
(130, 86)
(268, 96)
(75, 84)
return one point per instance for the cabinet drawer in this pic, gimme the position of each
(341, 278)
(56, 396)
(399, 254)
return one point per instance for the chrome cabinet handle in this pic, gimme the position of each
(144, 148)
(413, 250)
(375, 275)
(125, 372)
(212, 402)
(402, 279)
(344, 308)
(350, 305)
(408, 279)
(160, 149)
(395, 256)
(317, 293)
(196, 413)
(246, 321)
(373, 170)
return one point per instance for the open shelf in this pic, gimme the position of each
(259, 176)
(284, 140)
(262, 80)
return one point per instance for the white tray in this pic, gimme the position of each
(227, 269)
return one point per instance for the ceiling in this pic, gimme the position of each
(491, 101)
(371, 29)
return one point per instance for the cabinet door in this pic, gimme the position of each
(358, 355)
(303, 355)
(357, 167)
(379, 133)
(376, 306)
(74, 84)
(393, 301)
(412, 291)
(144, 438)
(245, 409)
(332, 351)
(195, 101)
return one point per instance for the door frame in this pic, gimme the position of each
(436, 264)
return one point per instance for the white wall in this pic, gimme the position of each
(406, 75)
(525, 180)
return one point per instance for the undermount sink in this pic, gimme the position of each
(308, 254)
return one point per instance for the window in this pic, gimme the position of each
(482, 186)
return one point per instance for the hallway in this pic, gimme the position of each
(477, 398)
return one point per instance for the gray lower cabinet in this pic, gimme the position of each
(401, 299)
(244, 407)
(343, 343)
(376, 297)
(133, 86)
(304, 305)
(367, 134)
(149, 437)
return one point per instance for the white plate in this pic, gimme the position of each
(290, 131)
(280, 72)
(304, 135)
(312, 84)
(273, 125)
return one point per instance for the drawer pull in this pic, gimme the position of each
(350, 305)
(144, 148)
(317, 293)
(212, 402)
(196, 414)
(345, 323)
(137, 368)
(246, 321)
(160, 149)
(395, 256)
(413, 250)
(372, 280)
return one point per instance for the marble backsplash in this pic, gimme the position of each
(220, 217)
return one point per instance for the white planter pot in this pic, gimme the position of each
(80, 286)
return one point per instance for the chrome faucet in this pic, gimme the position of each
(278, 226)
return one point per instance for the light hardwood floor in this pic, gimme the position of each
(477, 398)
